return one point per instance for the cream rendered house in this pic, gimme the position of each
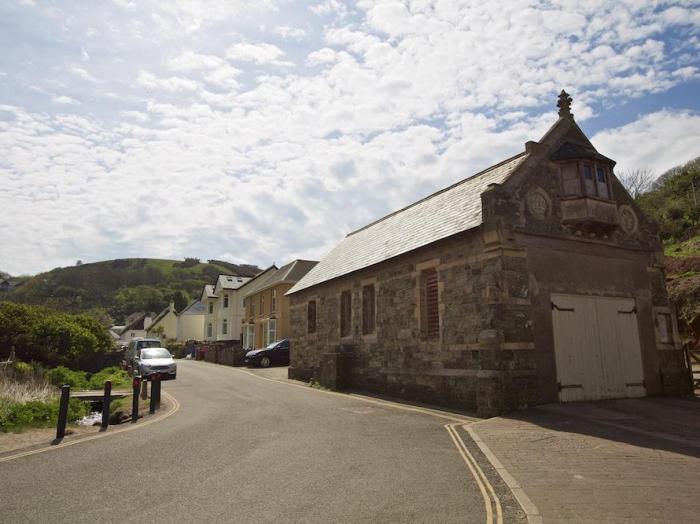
(211, 312)
(230, 306)
(164, 326)
(190, 322)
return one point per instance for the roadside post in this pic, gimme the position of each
(152, 405)
(106, 400)
(144, 389)
(62, 413)
(136, 387)
(155, 389)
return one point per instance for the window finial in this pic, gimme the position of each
(564, 104)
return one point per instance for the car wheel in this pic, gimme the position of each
(265, 362)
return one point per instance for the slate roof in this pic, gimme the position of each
(260, 281)
(209, 291)
(232, 281)
(196, 307)
(449, 211)
(289, 273)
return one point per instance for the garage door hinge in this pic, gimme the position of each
(554, 306)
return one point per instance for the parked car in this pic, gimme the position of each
(156, 360)
(134, 350)
(276, 353)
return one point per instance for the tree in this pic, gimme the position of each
(637, 181)
(79, 263)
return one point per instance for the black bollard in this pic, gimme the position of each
(106, 399)
(62, 413)
(136, 384)
(144, 389)
(155, 389)
(152, 405)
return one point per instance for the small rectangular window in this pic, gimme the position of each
(209, 330)
(262, 303)
(602, 182)
(588, 182)
(274, 300)
(345, 313)
(311, 317)
(664, 327)
(225, 300)
(430, 312)
(211, 307)
(271, 331)
(368, 310)
(224, 327)
(571, 182)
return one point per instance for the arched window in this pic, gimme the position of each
(209, 330)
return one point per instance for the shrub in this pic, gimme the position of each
(62, 375)
(119, 378)
(23, 369)
(15, 416)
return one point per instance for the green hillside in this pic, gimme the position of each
(674, 203)
(113, 289)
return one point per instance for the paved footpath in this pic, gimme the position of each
(244, 449)
(615, 461)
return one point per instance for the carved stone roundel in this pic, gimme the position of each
(628, 220)
(537, 203)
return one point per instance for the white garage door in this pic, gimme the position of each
(596, 344)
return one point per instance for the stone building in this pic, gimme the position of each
(536, 280)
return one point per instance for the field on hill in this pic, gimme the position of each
(113, 289)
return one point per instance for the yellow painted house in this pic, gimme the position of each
(266, 308)
(164, 326)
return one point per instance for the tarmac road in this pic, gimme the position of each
(244, 449)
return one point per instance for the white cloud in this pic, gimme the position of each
(172, 83)
(262, 53)
(294, 33)
(82, 73)
(190, 61)
(657, 141)
(64, 100)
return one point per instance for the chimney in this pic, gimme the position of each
(147, 321)
(171, 306)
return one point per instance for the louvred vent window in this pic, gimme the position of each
(311, 316)
(430, 311)
(368, 310)
(345, 313)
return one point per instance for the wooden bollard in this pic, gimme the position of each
(62, 413)
(136, 385)
(106, 400)
(152, 405)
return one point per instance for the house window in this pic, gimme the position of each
(368, 309)
(271, 331)
(274, 300)
(311, 316)
(664, 327)
(345, 313)
(211, 307)
(225, 300)
(571, 183)
(252, 308)
(250, 336)
(262, 303)
(430, 313)
(602, 181)
(224, 327)
(209, 330)
(588, 182)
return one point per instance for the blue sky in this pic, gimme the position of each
(264, 131)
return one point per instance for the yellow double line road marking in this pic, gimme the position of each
(487, 491)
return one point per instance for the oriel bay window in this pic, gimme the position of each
(368, 309)
(345, 313)
(430, 312)
(585, 178)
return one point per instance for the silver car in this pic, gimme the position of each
(156, 360)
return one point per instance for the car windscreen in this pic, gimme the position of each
(155, 353)
(273, 344)
(148, 344)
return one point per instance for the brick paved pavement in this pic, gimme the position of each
(613, 461)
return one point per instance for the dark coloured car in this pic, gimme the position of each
(276, 354)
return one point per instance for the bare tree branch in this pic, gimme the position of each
(637, 181)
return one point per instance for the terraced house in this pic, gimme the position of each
(536, 280)
(267, 307)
